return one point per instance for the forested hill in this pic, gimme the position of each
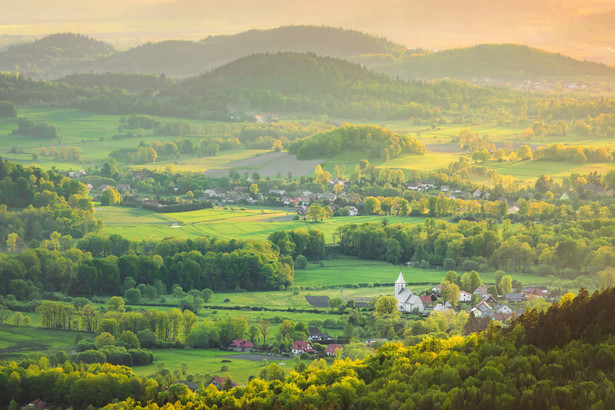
(185, 58)
(494, 61)
(176, 58)
(293, 82)
(54, 51)
(58, 55)
(265, 83)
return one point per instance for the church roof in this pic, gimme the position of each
(405, 295)
(400, 279)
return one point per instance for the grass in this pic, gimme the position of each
(245, 223)
(209, 362)
(93, 134)
(526, 171)
(16, 341)
(431, 161)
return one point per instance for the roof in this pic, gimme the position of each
(483, 303)
(301, 345)
(313, 331)
(221, 380)
(400, 278)
(333, 347)
(190, 385)
(242, 343)
(514, 297)
(482, 289)
(406, 296)
(426, 298)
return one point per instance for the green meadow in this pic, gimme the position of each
(203, 362)
(16, 341)
(92, 133)
(229, 222)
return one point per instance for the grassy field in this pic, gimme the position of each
(209, 361)
(19, 340)
(233, 222)
(92, 133)
(526, 171)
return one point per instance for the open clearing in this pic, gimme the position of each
(21, 340)
(229, 222)
(210, 362)
(269, 164)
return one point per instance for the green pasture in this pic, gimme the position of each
(19, 340)
(92, 133)
(209, 362)
(526, 171)
(232, 222)
(431, 161)
(200, 164)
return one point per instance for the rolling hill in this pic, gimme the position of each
(61, 54)
(491, 60)
(305, 82)
(52, 55)
(185, 58)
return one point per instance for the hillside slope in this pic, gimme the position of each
(185, 58)
(500, 61)
(52, 54)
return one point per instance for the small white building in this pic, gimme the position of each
(465, 296)
(407, 301)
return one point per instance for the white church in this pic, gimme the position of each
(407, 301)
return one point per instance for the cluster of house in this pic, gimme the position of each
(489, 306)
(298, 347)
(298, 199)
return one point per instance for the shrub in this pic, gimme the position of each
(300, 262)
(91, 356)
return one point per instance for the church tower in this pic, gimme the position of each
(400, 284)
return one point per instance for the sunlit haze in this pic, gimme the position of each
(582, 29)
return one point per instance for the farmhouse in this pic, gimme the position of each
(302, 347)
(514, 297)
(332, 350)
(314, 334)
(241, 346)
(222, 383)
(465, 296)
(481, 291)
(407, 301)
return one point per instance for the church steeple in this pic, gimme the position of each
(400, 284)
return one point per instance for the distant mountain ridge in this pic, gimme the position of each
(54, 49)
(496, 60)
(53, 57)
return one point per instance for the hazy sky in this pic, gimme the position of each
(580, 28)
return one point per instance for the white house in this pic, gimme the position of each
(481, 291)
(407, 301)
(502, 309)
(353, 211)
(302, 347)
(465, 296)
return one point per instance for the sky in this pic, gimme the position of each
(579, 28)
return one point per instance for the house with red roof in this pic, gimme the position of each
(302, 347)
(222, 383)
(332, 350)
(241, 345)
(426, 299)
(465, 296)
